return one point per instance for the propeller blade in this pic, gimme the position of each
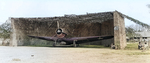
(57, 25)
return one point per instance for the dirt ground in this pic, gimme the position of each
(70, 55)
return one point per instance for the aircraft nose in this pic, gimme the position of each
(59, 31)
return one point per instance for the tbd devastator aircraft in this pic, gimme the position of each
(60, 38)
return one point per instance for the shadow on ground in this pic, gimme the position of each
(70, 46)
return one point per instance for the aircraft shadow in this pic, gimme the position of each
(81, 46)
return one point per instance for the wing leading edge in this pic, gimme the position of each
(44, 38)
(80, 40)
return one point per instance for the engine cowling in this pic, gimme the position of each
(59, 31)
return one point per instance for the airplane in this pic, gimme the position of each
(60, 38)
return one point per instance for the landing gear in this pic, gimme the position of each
(77, 45)
(74, 44)
(54, 44)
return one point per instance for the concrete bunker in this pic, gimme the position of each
(91, 24)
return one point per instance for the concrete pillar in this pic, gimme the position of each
(13, 41)
(119, 31)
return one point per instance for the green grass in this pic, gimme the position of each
(131, 46)
(132, 49)
(92, 46)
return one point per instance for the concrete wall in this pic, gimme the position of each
(107, 28)
(24, 27)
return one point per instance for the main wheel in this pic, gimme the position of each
(74, 45)
(54, 44)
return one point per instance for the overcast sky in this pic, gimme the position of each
(49, 8)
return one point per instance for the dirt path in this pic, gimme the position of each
(70, 55)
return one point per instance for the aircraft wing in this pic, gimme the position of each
(80, 40)
(44, 38)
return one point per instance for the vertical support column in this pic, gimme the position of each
(13, 40)
(119, 31)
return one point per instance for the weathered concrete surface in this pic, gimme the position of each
(119, 31)
(69, 55)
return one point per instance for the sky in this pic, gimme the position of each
(50, 8)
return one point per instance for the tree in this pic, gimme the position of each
(130, 31)
(138, 28)
(5, 30)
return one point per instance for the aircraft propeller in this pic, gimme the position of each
(58, 31)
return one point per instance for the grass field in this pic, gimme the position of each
(131, 46)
